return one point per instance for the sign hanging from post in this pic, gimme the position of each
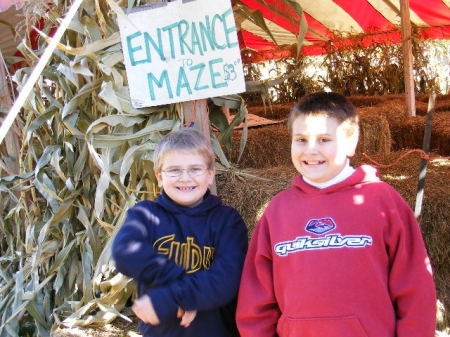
(181, 51)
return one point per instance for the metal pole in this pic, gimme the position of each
(424, 162)
(9, 120)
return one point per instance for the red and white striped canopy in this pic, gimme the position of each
(5, 4)
(379, 18)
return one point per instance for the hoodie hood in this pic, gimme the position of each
(208, 203)
(363, 175)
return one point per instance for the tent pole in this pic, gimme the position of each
(424, 162)
(12, 114)
(407, 58)
(11, 138)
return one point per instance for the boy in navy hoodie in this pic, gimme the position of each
(185, 250)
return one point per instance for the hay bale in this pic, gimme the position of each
(274, 111)
(421, 108)
(442, 104)
(394, 111)
(366, 101)
(269, 146)
(409, 133)
(440, 133)
(250, 196)
(266, 146)
(375, 135)
(425, 97)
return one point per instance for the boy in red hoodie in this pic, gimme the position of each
(340, 253)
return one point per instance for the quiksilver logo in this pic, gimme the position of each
(306, 243)
(320, 226)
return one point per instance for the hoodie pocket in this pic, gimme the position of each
(323, 326)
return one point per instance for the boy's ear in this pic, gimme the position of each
(212, 173)
(352, 144)
(158, 176)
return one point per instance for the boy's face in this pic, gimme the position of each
(185, 190)
(320, 147)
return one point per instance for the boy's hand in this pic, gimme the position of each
(144, 310)
(186, 317)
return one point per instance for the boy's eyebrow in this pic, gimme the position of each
(180, 166)
(318, 134)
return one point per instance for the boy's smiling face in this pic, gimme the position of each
(185, 190)
(320, 147)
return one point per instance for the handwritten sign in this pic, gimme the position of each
(181, 51)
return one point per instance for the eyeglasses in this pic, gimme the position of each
(191, 171)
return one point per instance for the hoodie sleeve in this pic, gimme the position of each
(133, 252)
(257, 310)
(216, 286)
(411, 282)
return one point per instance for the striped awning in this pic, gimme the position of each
(330, 20)
(5, 4)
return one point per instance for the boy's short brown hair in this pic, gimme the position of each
(330, 104)
(186, 140)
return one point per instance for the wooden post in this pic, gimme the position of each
(196, 115)
(407, 58)
(226, 112)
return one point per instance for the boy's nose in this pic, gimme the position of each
(183, 172)
(311, 146)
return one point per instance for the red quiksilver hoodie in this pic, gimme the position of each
(346, 260)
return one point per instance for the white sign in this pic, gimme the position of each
(181, 51)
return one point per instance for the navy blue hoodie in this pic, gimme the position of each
(184, 257)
